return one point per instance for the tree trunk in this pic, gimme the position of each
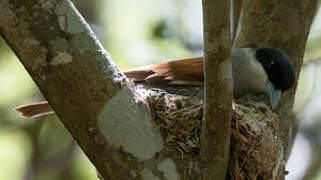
(82, 85)
(216, 126)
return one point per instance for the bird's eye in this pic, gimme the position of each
(271, 63)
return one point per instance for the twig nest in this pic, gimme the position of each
(256, 150)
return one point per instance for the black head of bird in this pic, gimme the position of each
(279, 70)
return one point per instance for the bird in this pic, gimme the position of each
(255, 70)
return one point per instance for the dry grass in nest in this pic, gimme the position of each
(256, 150)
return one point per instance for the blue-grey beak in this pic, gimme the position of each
(275, 95)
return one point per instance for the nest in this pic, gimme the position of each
(256, 150)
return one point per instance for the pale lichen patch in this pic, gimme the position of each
(30, 42)
(68, 20)
(43, 77)
(124, 124)
(134, 174)
(47, 5)
(40, 61)
(37, 63)
(225, 70)
(62, 22)
(169, 170)
(62, 58)
(61, 8)
(59, 44)
(81, 43)
(21, 9)
(148, 175)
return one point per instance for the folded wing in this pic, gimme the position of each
(180, 72)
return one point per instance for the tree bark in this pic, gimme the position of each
(284, 24)
(216, 126)
(81, 83)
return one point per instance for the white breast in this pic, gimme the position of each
(248, 74)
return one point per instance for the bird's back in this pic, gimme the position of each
(180, 72)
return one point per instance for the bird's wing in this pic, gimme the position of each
(185, 71)
(180, 72)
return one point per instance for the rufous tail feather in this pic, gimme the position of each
(34, 110)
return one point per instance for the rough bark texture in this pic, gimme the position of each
(77, 77)
(216, 127)
(284, 24)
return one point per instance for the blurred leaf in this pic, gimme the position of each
(82, 168)
(313, 50)
(15, 150)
